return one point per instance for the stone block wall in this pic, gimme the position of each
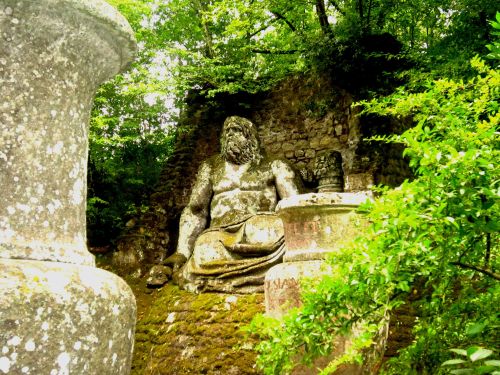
(303, 118)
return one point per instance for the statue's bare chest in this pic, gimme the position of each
(229, 177)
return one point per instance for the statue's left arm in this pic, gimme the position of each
(285, 179)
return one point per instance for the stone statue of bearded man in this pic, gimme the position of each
(229, 235)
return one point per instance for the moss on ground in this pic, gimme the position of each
(184, 333)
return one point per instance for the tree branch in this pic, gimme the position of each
(336, 6)
(474, 268)
(488, 250)
(279, 16)
(260, 29)
(360, 10)
(207, 36)
(323, 18)
(275, 52)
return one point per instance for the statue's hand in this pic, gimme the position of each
(176, 261)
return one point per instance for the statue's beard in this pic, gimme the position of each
(238, 152)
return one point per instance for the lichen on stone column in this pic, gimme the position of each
(53, 56)
(58, 313)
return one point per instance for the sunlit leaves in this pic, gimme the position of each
(495, 47)
(435, 236)
(130, 133)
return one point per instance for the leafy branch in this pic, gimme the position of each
(478, 269)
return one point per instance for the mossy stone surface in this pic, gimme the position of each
(179, 332)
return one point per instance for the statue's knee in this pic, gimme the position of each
(209, 247)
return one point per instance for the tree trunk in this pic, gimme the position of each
(323, 18)
(367, 28)
(361, 13)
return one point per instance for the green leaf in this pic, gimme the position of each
(493, 362)
(476, 328)
(480, 353)
(452, 362)
(462, 371)
(459, 351)
(484, 369)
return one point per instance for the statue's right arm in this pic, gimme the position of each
(195, 215)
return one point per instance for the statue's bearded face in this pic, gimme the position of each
(239, 143)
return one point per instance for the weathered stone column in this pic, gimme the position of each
(58, 313)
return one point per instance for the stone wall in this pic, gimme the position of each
(302, 118)
(305, 117)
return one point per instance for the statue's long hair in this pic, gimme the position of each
(240, 151)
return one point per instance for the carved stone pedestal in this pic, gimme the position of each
(61, 318)
(315, 224)
(58, 313)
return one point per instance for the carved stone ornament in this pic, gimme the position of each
(328, 172)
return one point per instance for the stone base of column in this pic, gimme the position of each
(282, 292)
(282, 285)
(59, 318)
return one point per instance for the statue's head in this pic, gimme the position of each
(240, 141)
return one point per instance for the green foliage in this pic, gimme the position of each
(495, 47)
(435, 236)
(128, 144)
(213, 46)
(131, 135)
(224, 46)
(474, 360)
(243, 45)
